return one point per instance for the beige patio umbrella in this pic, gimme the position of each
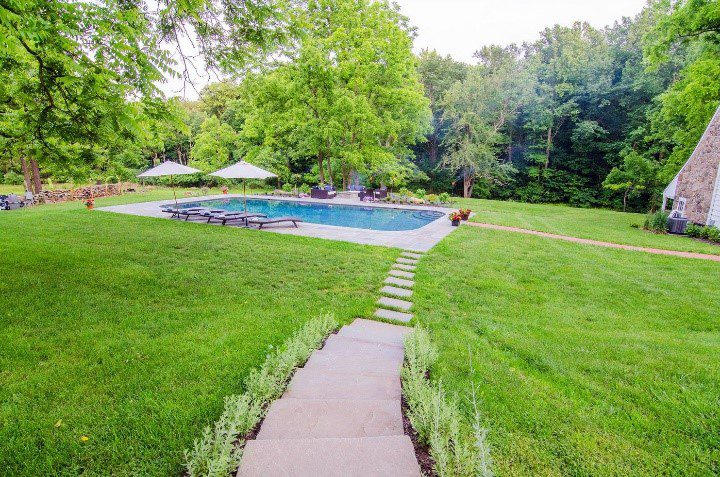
(243, 170)
(169, 168)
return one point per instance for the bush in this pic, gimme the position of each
(13, 178)
(455, 448)
(657, 222)
(304, 189)
(693, 230)
(218, 451)
(713, 234)
(287, 187)
(444, 198)
(405, 192)
(432, 198)
(420, 193)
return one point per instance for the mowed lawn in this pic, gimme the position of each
(590, 361)
(595, 224)
(130, 331)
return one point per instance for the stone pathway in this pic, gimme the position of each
(657, 251)
(399, 284)
(341, 414)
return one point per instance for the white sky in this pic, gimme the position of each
(460, 27)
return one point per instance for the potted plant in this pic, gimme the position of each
(456, 217)
(90, 203)
(465, 213)
(225, 189)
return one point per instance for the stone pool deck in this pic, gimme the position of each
(420, 240)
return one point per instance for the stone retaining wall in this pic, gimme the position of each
(81, 193)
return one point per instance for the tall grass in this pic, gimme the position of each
(456, 448)
(219, 450)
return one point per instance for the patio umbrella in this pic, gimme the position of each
(169, 168)
(243, 170)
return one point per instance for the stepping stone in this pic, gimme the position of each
(376, 331)
(324, 360)
(309, 418)
(393, 315)
(342, 345)
(406, 261)
(395, 303)
(416, 256)
(403, 266)
(399, 282)
(366, 456)
(401, 292)
(312, 384)
(402, 274)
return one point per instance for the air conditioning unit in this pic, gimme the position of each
(677, 225)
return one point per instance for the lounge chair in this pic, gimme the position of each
(177, 211)
(261, 222)
(225, 217)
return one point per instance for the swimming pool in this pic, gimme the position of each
(359, 217)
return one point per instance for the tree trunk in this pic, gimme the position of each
(625, 196)
(330, 175)
(433, 151)
(468, 184)
(37, 184)
(321, 171)
(548, 147)
(26, 174)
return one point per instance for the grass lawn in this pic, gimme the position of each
(590, 361)
(596, 224)
(130, 330)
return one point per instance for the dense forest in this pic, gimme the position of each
(330, 91)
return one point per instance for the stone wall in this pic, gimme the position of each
(81, 193)
(696, 182)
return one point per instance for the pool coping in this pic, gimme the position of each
(420, 240)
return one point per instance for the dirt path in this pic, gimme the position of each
(657, 251)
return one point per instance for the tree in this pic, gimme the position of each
(637, 174)
(349, 96)
(476, 110)
(214, 145)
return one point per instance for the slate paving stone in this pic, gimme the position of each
(401, 282)
(395, 291)
(393, 315)
(395, 303)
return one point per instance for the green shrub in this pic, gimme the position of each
(693, 230)
(432, 198)
(217, 452)
(287, 187)
(305, 189)
(657, 222)
(713, 234)
(455, 448)
(420, 193)
(13, 178)
(404, 192)
(444, 198)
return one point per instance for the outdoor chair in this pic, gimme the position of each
(322, 194)
(225, 217)
(260, 222)
(13, 202)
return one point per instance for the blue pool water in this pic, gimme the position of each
(372, 218)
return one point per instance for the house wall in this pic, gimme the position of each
(698, 178)
(714, 218)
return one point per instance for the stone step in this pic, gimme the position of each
(407, 261)
(325, 360)
(401, 282)
(393, 315)
(354, 347)
(403, 266)
(395, 303)
(395, 291)
(310, 418)
(312, 384)
(401, 273)
(416, 256)
(366, 456)
(375, 331)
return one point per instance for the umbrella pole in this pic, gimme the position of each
(172, 184)
(245, 197)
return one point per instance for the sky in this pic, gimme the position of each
(460, 27)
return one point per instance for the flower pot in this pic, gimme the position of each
(90, 206)
(465, 217)
(455, 223)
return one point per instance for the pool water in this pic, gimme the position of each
(360, 217)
